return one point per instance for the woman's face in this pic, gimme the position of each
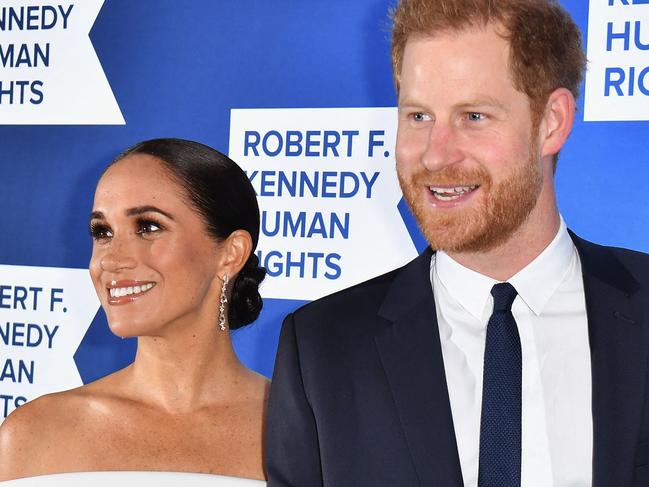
(153, 264)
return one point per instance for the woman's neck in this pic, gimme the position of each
(186, 371)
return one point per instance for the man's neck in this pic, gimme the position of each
(523, 246)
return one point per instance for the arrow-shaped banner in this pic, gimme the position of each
(49, 71)
(44, 314)
(328, 194)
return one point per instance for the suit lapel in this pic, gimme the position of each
(411, 355)
(617, 325)
(410, 352)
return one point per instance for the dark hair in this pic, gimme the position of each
(222, 194)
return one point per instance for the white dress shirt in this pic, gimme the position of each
(550, 312)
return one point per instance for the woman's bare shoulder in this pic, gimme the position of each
(36, 415)
(53, 410)
(26, 434)
(36, 433)
(256, 384)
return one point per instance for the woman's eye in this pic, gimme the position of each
(146, 227)
(100, 232)
(475, 116)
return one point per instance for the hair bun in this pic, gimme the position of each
(245, 302)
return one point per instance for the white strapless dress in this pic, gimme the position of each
(132, 479)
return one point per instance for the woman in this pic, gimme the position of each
(174, 226)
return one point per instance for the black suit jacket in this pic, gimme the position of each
(359, 394)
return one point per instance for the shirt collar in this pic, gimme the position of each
(535, 283)
(538, 281)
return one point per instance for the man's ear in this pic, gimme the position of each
(235, 251)
(557, 121)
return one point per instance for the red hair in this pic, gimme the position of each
(545, 44)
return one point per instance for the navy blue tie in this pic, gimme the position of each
(500, 423)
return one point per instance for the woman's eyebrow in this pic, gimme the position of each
(138, 210)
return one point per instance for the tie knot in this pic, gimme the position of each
(504, 295)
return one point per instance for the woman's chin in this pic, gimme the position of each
(123, 330)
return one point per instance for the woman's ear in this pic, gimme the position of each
(234, 251)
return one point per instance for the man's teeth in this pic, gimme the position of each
(116, 292)
(449, 194)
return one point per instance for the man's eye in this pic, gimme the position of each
(145, 227)
(100, 232)
(420, 117)
(475, 116)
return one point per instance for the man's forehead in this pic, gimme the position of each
(491, 33)
(468, 28)
(456, 60)
(455, 52)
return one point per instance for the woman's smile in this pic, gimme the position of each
(127, 291)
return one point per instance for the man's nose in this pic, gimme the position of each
(442, 148)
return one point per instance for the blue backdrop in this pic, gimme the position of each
(177, 69)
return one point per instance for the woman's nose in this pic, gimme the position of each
(118, 256)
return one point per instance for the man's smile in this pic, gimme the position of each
(451, 193)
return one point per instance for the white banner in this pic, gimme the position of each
(44, 314)
(328, 193)
(617, 80)
(49, 71)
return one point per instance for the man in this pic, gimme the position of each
(514, 353)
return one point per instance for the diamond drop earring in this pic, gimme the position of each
(222, 301)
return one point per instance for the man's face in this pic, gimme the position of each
(467, 159)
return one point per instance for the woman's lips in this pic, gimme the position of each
(122, 292)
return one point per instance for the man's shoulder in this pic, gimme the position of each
(631, 256)
(361, 297)
(359, 303)
(635, 262)
(612, 258)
